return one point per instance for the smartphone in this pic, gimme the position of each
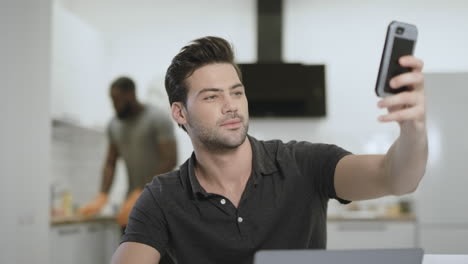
(400, 41)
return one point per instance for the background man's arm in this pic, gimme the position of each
(108, 171)
(107, 179)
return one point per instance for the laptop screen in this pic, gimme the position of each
(359, 256)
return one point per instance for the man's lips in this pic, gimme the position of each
(232, 122)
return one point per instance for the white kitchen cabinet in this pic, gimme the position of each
(444, 239)
(91, 243)
(65, 244)
(355, 234)
(113, 234)
(441, 203)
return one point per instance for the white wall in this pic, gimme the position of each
(144, 35)
(25, 130)
(79, 70)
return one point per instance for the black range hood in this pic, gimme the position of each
(269, 30)
(274, 88)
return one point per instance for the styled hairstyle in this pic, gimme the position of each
(124, 83)
(196, 54)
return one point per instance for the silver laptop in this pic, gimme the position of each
(356, 256)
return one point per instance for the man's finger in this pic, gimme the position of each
(412, 113)
(404, 98)
(412, 62)
(413, 79)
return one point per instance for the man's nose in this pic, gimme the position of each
(229, 105)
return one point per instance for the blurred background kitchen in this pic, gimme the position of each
(59, 57)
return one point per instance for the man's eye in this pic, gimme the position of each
(238, 93)
(211, 97)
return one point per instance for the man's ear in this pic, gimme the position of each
(178, 113)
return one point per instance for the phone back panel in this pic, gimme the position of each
(400, 41)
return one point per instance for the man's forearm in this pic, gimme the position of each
(405, 162)
(107, 179)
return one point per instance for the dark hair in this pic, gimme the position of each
(197, 54)
(124, 83)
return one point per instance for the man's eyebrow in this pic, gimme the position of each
(237, 85)
(204, 90)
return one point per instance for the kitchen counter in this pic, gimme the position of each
(353, 230)
(78, 219)
(358, 217)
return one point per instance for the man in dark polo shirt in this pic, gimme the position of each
(236, 194)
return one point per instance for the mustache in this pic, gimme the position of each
(231, 116)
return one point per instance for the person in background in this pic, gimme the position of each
(143, 136)
(237, 194)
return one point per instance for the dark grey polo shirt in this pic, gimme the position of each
(283, 206)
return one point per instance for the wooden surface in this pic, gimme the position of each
(76, 219)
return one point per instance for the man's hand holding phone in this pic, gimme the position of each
(400, 81)
(408, 105)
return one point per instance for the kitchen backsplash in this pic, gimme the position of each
(77, 159)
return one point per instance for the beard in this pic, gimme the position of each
(125, 112)
(215, 138)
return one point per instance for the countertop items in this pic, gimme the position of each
(78, 219)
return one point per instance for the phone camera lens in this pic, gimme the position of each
(400, 30)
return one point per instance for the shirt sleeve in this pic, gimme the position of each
(164, 127)
(319, 161)
(110, 135)
(147, 223)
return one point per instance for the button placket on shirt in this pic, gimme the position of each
(241, 215)
(234, 212)
(241, 220)
(223, 204)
